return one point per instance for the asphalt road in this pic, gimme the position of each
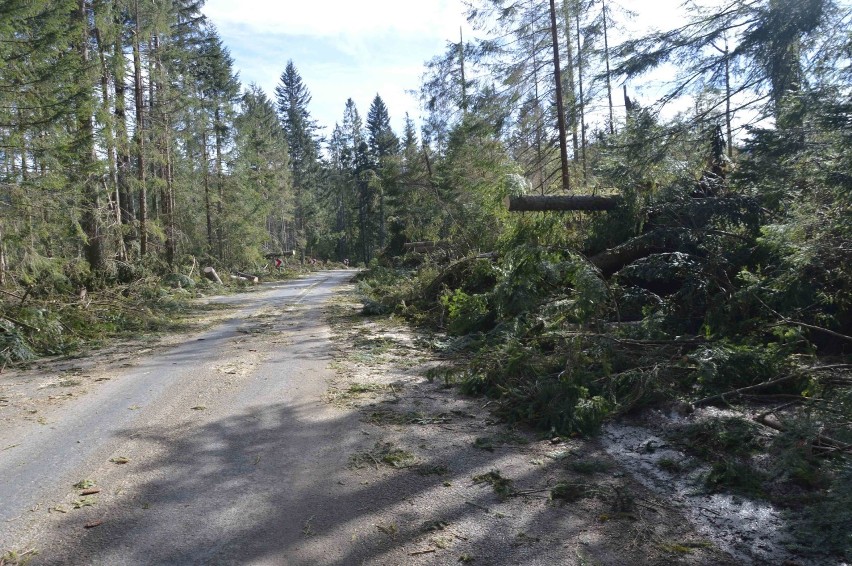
(230, 451)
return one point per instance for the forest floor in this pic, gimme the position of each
(293, 430)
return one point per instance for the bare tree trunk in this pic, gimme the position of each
(160, 89)
(3, 264)
(171, 242)
(382, 229)
(91, 204)
(113, 193)
(122, 142)
(155, 126)
(463, 81)
(220, 236)
(539, 118)
(606, 59)
(138, 93)
(560, 109)
(572, 98)
(582, 107)
(207, 204)
(728, 101)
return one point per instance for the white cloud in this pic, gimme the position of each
(347, 48)
(341, 49)
(335, 18)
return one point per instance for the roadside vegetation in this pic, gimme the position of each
(55, 308)
(720, 279)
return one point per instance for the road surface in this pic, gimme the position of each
(231, 455)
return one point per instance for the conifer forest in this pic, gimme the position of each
(582, 247)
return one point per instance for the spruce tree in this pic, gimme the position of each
(293, 98)
(384, 147)
(263, 200)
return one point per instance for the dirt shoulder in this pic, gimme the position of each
(469, 488)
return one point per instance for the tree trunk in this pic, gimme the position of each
(728, 101)
(207, 204)
(91, 202)
(608, 77)
(582, 106)
(210, 273)
(139, 93)
(382, 228)
(113, 193)
(3, 264)
(461, 65)
(122, 141)
(572, 99)
(612, 260)
(560, 109)
(169, 198)
(155, 127)
(540, 174)
(220, 236)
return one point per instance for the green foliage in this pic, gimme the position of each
(530, 276)
(721, 436)
(728, 445)
(827, 524)
(467, 313)
(502, 486)
(61, 323)
(736, 475)
(531, 388)
(179, 280)
(13, 344)
(723, 366)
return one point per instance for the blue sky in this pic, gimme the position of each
(344, 48)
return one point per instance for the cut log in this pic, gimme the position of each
(562, 203)
(248, 277)
(252, 280)
(211, 274)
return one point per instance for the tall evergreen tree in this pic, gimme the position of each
(293, 98)
(384, 147)
(261, 173)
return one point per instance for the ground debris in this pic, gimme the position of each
(93, 524)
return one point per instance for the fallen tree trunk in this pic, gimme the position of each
(248, 277)
(454, 270)
(211, 274)
(612, 260)
(821, 442)
(533, 203)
